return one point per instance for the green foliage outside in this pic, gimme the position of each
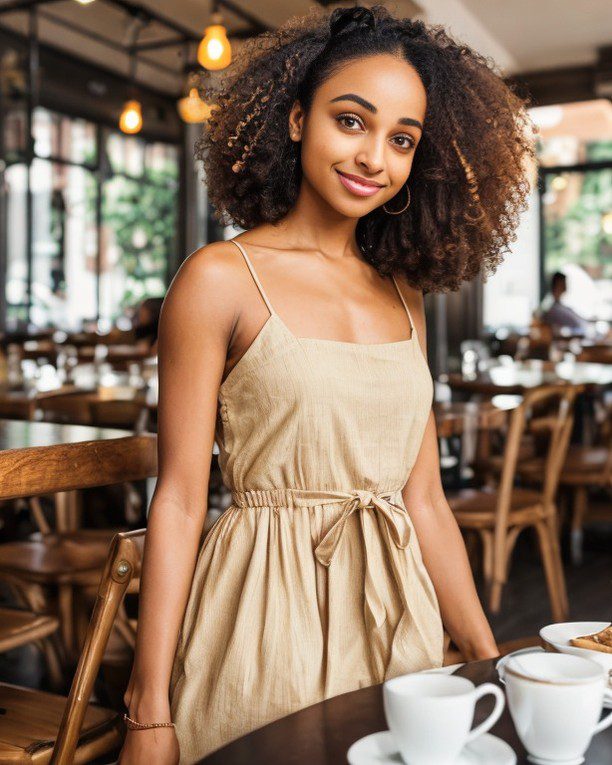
(578, 236)
(143, 218)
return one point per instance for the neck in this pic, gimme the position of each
(312, 223)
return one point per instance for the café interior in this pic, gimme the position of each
(100, 202)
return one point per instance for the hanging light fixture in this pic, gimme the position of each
(192, 108)
(215, 51)
(130, 121)
(84, 2)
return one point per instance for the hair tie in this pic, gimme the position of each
(345, 20)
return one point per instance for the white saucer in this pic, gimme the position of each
(380, 749)
(540, 761)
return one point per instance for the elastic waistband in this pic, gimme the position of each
(394, 514)
(289, 497)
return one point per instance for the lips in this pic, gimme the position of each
(359, 188)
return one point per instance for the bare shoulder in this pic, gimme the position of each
(206, 284)
(210, 267)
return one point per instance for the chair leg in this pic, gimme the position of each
(49, 649)
(471, 547)
(495, 594)
(487, 556)
(66, 617)
(553, 569)
(581, 499)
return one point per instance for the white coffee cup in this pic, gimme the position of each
(555, 701)
(430, 715)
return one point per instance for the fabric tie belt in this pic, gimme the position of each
(395, 516)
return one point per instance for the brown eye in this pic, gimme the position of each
(409, 141)
(343, 119)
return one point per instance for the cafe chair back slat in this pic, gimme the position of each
(586, 468)
(70, 408)
(123, 563)
(118, 413)
(40, 727)
(500, 514)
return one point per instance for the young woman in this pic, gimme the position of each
(370, 159)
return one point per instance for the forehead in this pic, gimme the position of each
(389, 82)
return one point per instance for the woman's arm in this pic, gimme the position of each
(441, 543)
(196, 323)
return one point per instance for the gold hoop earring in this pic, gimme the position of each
(397, 212)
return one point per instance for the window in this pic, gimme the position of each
(139, 222)
(568, 226)
(104, 221)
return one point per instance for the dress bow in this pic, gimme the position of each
(394, 516)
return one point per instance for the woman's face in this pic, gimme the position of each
(365, 121)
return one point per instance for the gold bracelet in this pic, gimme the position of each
(133, 725)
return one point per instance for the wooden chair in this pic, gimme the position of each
(599, 354)
(19, 627)
(40, 727)
(119, 413)
(50, 567)
(70, 408)
(585, 467)
(499, 515)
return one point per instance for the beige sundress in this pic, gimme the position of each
(311, 583)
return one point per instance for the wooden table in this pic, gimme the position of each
(519, 376)
(321, 734)
(455, 417)
(87, 386)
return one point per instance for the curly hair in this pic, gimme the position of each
(469, 180)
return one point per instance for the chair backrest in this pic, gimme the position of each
(559, 426)
(122, 565)
(119, 413)
(70, 408)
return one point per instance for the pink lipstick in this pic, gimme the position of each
(360, 188)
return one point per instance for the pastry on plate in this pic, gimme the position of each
(600, 641)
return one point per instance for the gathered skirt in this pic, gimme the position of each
(294, 600)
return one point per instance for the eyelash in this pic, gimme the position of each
(355, 117)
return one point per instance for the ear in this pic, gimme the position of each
(296, 121)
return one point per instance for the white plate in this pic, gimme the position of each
(607, 699)
(559, 635)
(380, 749)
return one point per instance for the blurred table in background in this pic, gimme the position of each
(493, 376)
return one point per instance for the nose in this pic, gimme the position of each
(371, 155)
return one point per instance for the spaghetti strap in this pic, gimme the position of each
(412, 327)
(254, 275)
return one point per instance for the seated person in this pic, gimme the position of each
(556, 314)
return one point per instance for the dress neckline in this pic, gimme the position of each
(265, 327)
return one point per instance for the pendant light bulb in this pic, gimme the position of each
(130, 121)
(192, 108)
(215, 51)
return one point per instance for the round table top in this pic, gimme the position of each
(321, 734)
(494, 376)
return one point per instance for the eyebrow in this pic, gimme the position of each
(370, 107)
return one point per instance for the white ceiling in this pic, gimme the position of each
(520, 35)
